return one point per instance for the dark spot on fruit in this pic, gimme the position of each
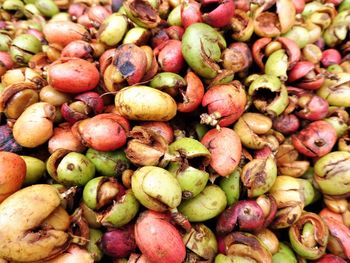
(70, 167)
(127, 68)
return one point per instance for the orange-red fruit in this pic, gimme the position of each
(158, 239)
(225, 148)
(73, 75)
(12, 173)
(64, 32)
(104, 132)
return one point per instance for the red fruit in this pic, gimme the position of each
(190, 13)
(299, 5)
(63, 138)
(337, 230)
(247, 215)
(220, 12)
(131, 62)
(330, 56)
(104, 132)
(106, 59)
(170, 56)
(286, 124)
(64, 32)
(192, 95)
(119, 242)
(78, 49)
(316, 140)
(225, 148)
(329, 258)
(228, 100)
(158, 239)
(6, 62)
(73, 75)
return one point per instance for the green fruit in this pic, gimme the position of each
(112, 163)
(35, 170)
(156, 188)
(284, 255)
(201, 48)
(122, 212)
(47, 7)
(94, 236)
(207, 205)
(113, 29)
(231, 186)
(24, 47)
(75, 169)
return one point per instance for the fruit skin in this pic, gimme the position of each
(12, 173)
(156, 188)
(37, 122)
(208, 204)
(73, 75)
(75, 169)
(145, 103)
(316, 139)
(229, 100)
(103, 132)
(19, 215)
(35, 169)
(111, 163)
(201, 48)
(158, 239)
(222, 161)
(118, 242)
(64, 32)
(333, 179)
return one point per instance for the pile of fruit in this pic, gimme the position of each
(169, 131)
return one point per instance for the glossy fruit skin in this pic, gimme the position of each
(37, 121)
(73, 75)
(145, 104)
(12, 173)
(229, 100)
(78, 49)
(299, 71)
(330, 57)
(64, 32)
(104, 132)
(158, 239)
(203, 61)
(190, 13)
(75, 169)
(119, 242)
(220, 16)
(206, 205)
(316, 140)
(330, 258)
(170, 56)
(337, 230)
(156, 188)
(218, 143)
(63, 137)
(246, 215)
